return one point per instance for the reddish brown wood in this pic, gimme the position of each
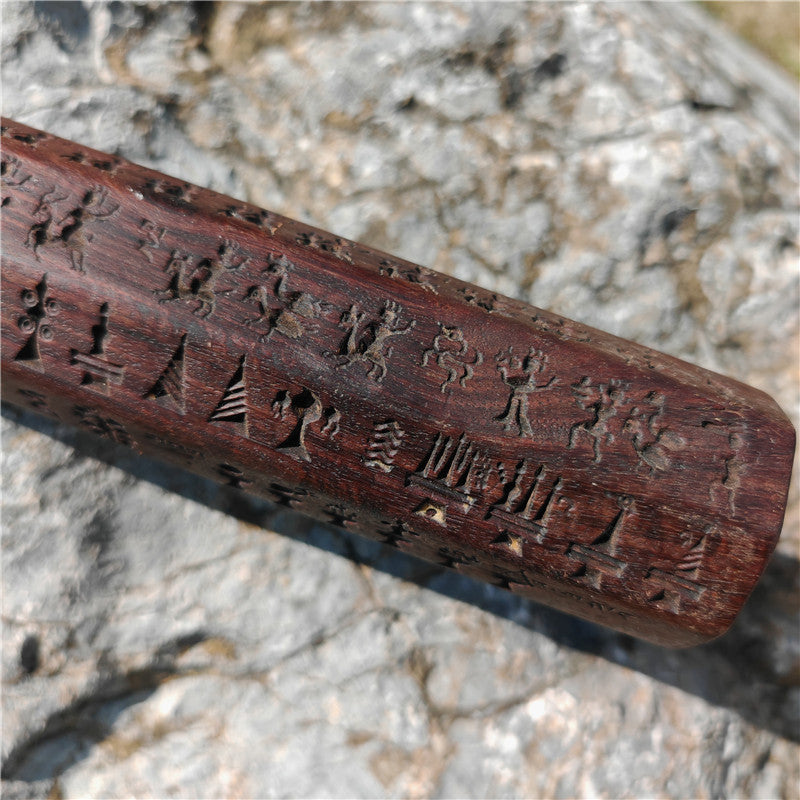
(572, 467)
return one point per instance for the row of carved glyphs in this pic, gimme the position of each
(454, 474)
(535, 506)
(611, 411)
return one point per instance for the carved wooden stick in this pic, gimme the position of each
(570, 466)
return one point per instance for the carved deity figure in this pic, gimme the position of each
(521, 375)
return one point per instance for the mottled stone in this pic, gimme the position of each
(630, 166)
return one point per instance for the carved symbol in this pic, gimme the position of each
(31, 139)
(169, 388)
(408, 272)
(71, 229)
(104, 426)
(734, 467)
(733, 464)
(528, 511)
(265, 220)
(599, 558)
(99, 372)
(506, 576)
(452, 472)
(307, 409)
(436, 512)
(384, 444)
(233, 476)
(341, 515)
(520, 375)
(394, 532)
(232, 408)
(651, 440)
(106, 165)
(37, 401)
(510, 541)
(39, 307)
(476, 296)
(12, 173)
(178, 194)
(604, 401)
(338, 248)
(670, 589)
(287, 496)
(294, 310)
(369, 343)
(197, 283)
(452, 354)
(150, 238)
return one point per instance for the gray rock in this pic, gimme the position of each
(629, 166)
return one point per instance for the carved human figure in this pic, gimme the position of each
(521, 375)
(729, 478)
(69, 230)
(151, 236)
(94, 205)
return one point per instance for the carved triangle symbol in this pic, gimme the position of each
(169, 388)
(232, 407)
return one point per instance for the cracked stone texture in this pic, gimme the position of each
(633, 167)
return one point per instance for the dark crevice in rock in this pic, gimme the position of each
(79, 719)
(551, 67)
(29, 654)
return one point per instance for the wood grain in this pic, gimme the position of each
(469, 429)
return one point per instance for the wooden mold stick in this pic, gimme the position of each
(472, 430)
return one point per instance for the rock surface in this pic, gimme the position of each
(632, 167)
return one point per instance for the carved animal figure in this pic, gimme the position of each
(294, 309)
(198, 282)
(369, 344)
